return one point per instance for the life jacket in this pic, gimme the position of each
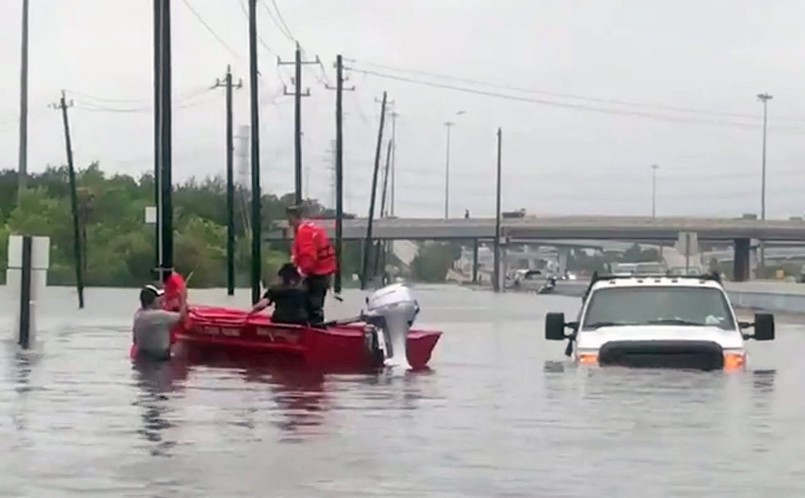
(312, 251)
(171, 299)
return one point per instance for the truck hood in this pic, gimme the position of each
(593, 339)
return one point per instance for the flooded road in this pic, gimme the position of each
(501, 413)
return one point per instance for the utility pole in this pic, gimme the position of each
(386, 179)
(230, 182)
(255, 154)
(496, 272)
(157, 130)
(163, 138)
(297, 82)
(654, 190)
(380, 246)
(390, 105)
(368, 242)
(79, 277)
(392, 192)
(764, 98)
(22, 171)
(339, 166)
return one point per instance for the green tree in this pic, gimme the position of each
(433, 262)
(119, 247)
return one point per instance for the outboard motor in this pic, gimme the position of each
(390, 313)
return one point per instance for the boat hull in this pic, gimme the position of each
(336, 347)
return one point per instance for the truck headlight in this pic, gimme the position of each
(588, 358)
(734, 360)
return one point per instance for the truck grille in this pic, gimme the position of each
(699, 355)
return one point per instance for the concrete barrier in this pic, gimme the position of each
(768, 296)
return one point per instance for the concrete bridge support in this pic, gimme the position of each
(475, 244)
(562, 256)
(741, 262)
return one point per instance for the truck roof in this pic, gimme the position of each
(711, 280)
(656, 281)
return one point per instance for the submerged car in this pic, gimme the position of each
(658, 321)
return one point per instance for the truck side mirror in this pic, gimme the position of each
(555, 327)
(764, 327)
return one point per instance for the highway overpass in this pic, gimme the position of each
(742, 233)
(569, 227)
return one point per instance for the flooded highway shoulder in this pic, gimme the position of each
(500, 412)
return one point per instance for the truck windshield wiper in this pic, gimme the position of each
(675, 321)
(596, 325)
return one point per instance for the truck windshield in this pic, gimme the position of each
(658, 305)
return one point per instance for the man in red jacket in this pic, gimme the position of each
(314, 256)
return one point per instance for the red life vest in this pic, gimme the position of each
(171, 299)
(312, 251)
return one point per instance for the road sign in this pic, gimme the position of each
(687, 244)
(150, 215)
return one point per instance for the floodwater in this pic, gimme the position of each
(501, 413)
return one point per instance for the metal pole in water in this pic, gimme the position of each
(230, 191)
(255, 155)
(24, 339)
(339, 171)
(158, 133)
(230, 182)
(763, 97)
(77, 253)
(497, 273)
(166, 185)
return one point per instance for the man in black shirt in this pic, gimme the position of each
(288, 297)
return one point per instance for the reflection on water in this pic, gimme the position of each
(501, 413)
(155, 380)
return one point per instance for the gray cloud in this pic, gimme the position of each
(714, 55)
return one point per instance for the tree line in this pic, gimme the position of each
(119, 247)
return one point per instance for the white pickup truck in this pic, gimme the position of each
(658, 321)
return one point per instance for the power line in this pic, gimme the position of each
(211, 31)
(281, 25)
(570, 96)
(564, 104)
(190, 93)
(188, 102)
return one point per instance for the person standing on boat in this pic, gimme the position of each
(314, 257)
(152, 324)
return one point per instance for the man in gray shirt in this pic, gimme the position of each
(152, 324)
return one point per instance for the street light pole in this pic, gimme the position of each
(763, 97)
(654, 190)
(447, 125)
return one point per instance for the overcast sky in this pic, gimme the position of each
(561, 155)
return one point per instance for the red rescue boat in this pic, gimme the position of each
(380, 336)
(353, 346)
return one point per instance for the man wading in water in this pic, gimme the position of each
(152, 324)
